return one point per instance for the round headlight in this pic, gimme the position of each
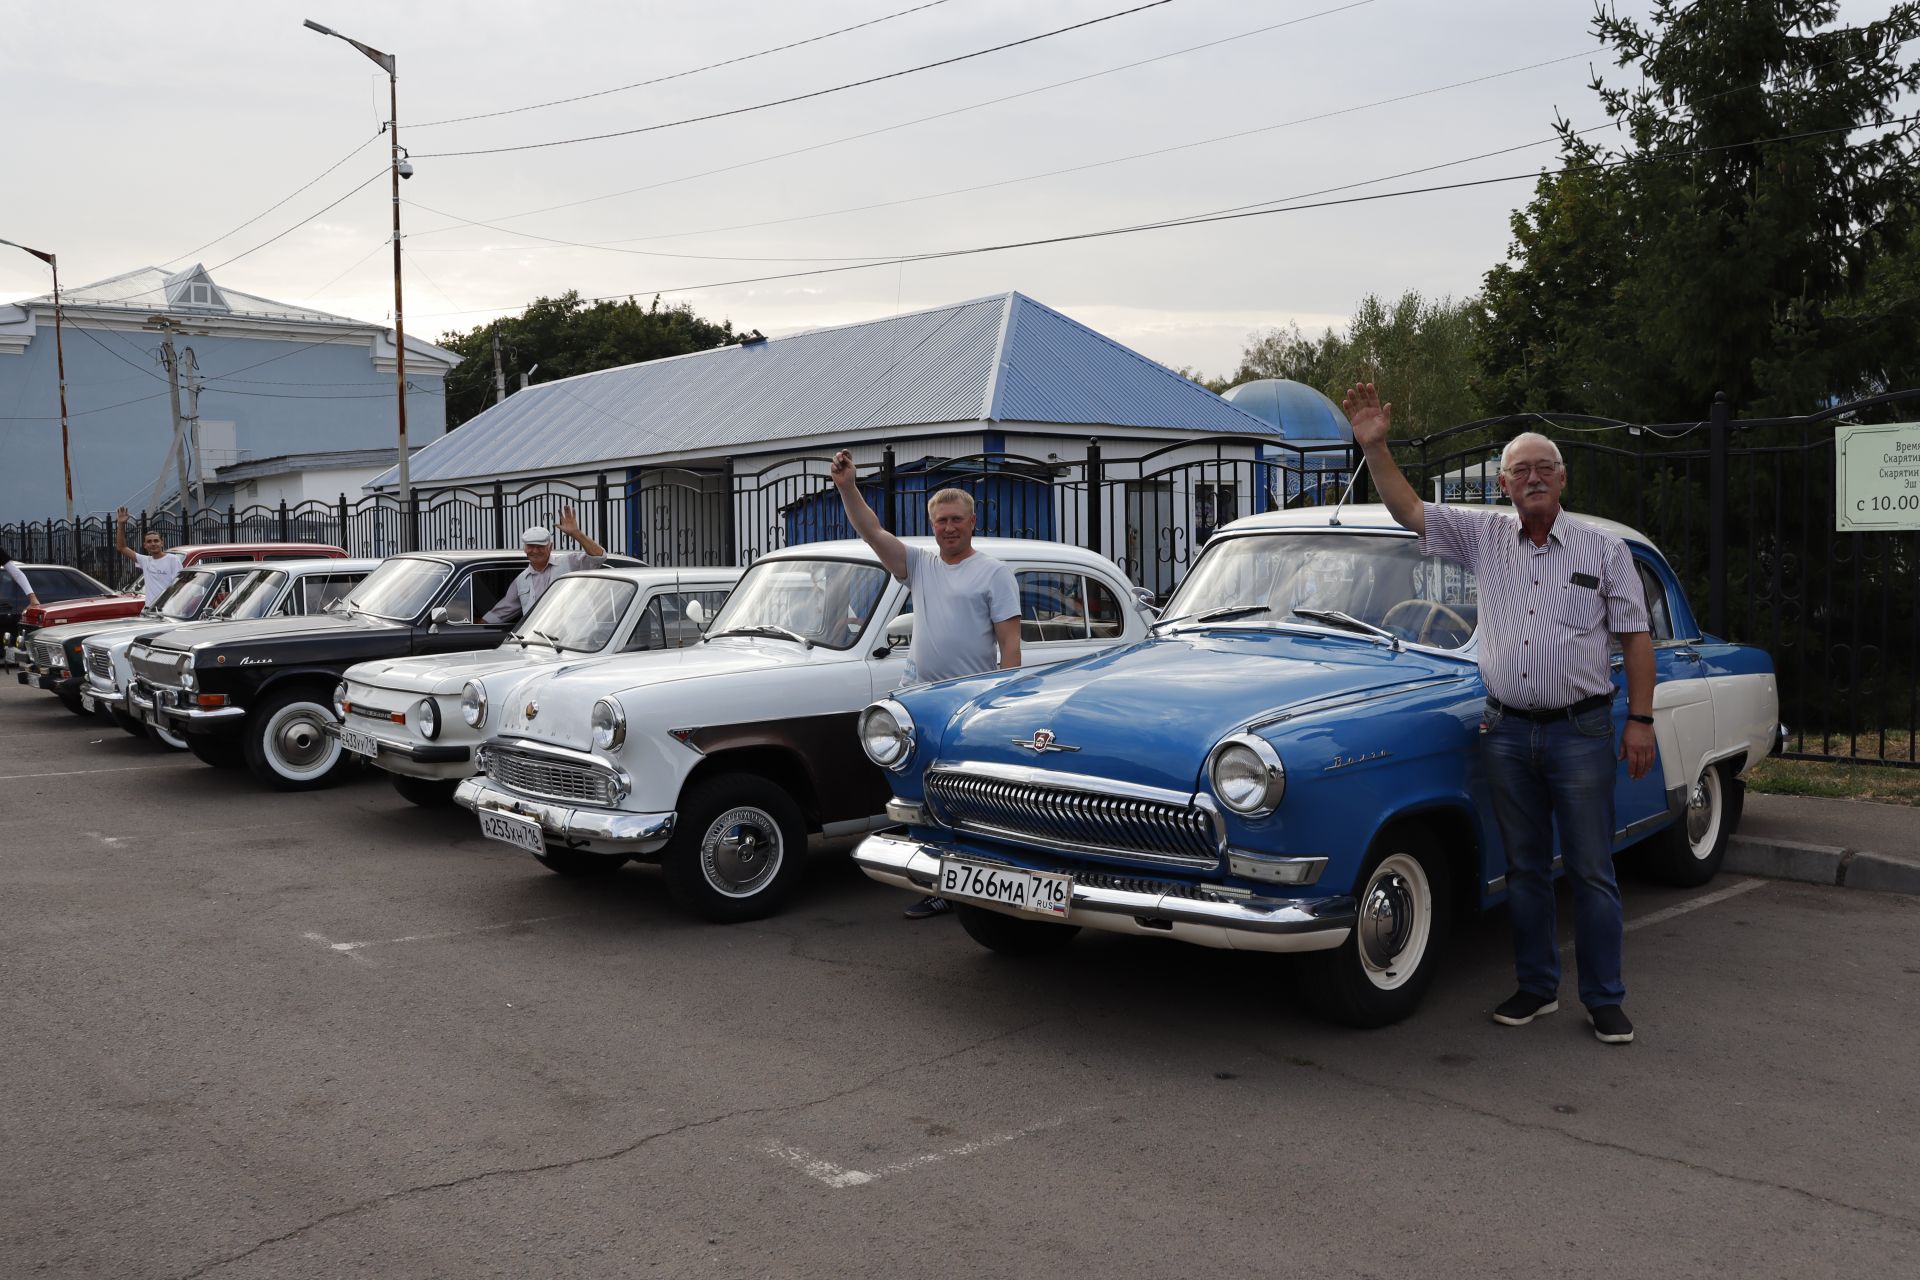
(427, 713)
(473, 703)
(1247, 775)
(609, 725)
(340, 700)
(886, 734)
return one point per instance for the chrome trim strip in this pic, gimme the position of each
(914, 815)
(594, 829)
(1034, 776)
(1261, 866)
(1115, 824)
(1635, 829)
(1242, 924)
(1497, 884)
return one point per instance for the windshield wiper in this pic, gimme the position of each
(1214, 615)
(537, 633)
(764, 629)
(1350, 622)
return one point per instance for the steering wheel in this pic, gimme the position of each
(1435, 609)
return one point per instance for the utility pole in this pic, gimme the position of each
(193, 429)
(526, 375)
(60, 361)
(499, 373)
(172, 362)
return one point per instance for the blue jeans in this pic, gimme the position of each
(1559, 773)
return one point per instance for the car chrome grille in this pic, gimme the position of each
(99, 664)
(156, 666)
(47, 655)
(1075, 820)
(534, 773)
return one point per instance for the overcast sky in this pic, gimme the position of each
(140, 132)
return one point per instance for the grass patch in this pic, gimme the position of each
(1837, 780)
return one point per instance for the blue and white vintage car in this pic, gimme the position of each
(1289, 764)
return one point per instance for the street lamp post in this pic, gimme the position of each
(60, 364)
(399, 168)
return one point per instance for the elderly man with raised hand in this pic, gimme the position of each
(1552, 587)
(543, 566)
(966, 605)
(158, 566)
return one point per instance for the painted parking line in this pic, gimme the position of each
(839, 1177)
(1678, 909)
(75, 773)
(353, 949)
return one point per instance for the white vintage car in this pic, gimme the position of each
(420, 718)
(719, 760)
(290, 588)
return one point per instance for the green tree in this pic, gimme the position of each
(1729, 243)
(566, 336)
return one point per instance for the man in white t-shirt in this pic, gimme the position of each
(966, 605)
(158, 566)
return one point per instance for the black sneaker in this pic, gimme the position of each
(932, 905)
(1611, 1025)
(1523, 1007)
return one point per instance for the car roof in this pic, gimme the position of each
(313, 564)
(1374, 516)
(202, 548)
(656, 575)
(998, 548)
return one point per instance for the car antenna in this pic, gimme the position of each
(1333, 521)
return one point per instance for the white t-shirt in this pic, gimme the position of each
(954, 609)
(158, 571)
(19, 579)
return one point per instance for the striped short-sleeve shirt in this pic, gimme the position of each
(1545, 611)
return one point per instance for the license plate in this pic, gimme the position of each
(87, 702)
(359, 743)
(519, 832)
(1044, 893)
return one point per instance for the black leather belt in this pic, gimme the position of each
(1540, 715)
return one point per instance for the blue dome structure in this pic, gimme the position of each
(1299, 413)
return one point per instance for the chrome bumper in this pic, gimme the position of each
(189, 718)
(595, 830)
(106, 695)
(1229, 924)
(416, 759)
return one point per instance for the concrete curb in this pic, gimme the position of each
(1822, 864)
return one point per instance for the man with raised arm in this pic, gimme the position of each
(966, 604)
(158, 566)
(543, 567)
(1552, 588)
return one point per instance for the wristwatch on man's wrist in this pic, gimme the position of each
(1641, 719)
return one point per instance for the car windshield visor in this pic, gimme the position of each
(823, 602)
(254, 596)
(1379, 581)
(399, 589)
(181, 600)
(578, 613)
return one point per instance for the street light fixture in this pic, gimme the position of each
(60, 362)
(400, 168)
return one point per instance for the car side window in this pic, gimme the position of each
(317, 591)
(479, 593)
(287, 555)
(224, 557)
(222, 588)
(1659, 612)
(1057, 606)
(649, 629)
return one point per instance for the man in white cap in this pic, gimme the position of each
(543, 567)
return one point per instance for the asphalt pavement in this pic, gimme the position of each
(245, 1034)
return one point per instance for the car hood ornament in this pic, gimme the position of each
(532, 711)
(1042, 741)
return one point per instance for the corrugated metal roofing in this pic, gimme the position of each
(147, 289)
(1000, 359)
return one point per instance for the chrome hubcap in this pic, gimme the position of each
(298, 741)
(742, 852)
(1386, 918)
(1701, 813)
(1395, 923)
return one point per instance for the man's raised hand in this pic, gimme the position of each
(121, 515)
(1369, 419)
(842, 472)
(568, 524)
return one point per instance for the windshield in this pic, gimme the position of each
(826, 602)
(1380, 580)
(254, 596)
(578, 613)
(400, 588)
(182, 599)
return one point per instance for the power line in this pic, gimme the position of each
(276, 204)
(680, 75)
(804, 97)
(919, 120)
(1287, 204)
(614, 248)
(613, 245)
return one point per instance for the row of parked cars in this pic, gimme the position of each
(1281, 760)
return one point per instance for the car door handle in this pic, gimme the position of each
(1689, 653)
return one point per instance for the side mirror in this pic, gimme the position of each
(900, 632)
(438, 616)
(696, 614)
(1144, 598)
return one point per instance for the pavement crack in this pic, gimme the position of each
(485, 1175)
(1601, 1144)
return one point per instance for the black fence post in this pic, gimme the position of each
(499, 514)
(412, 516)
(1717, 514)
(600, 509)
(284, 535)
(1096, 506)
(233, 524)
(346, 538)
(887, 473)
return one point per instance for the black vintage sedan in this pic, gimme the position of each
(260, 693)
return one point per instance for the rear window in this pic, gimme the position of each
(51, 585)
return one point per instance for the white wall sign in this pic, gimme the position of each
(1877, 477)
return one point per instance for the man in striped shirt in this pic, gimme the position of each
(1552, 588)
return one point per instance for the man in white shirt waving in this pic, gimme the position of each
(158, 566)
(543, 567)
(966, 605)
